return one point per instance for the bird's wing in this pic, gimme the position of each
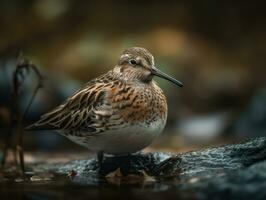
(85, 111)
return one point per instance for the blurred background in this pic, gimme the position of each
(216, 48)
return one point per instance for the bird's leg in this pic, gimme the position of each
(125, 164)
(100, 159)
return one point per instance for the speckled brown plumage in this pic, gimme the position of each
(122, 104)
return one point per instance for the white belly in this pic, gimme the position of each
(126, 140)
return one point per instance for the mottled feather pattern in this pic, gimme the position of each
(105, 104)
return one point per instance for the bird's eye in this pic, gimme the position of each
(132, 62)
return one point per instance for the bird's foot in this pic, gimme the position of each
(121, 165)
(129, 165)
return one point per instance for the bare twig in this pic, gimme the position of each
(9, 135)
(23, 67)
(35, 91)
(18, 78)
(7, 143)
(24, 64)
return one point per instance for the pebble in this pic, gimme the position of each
(193, 180)
(19, 180)
(35, 178)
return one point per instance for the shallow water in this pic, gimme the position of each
(55, 186)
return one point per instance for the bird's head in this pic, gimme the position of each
(137, 64)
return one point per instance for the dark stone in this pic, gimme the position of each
(235, 171)
(248, 183)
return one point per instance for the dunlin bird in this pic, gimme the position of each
(118, 113)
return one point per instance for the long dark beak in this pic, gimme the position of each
(157, 72)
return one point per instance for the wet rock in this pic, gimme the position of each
(204, 162)
(229, 171)
(248, 183)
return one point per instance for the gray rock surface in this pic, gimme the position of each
(235, 171)
(248, 183)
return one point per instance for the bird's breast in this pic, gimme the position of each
(140, 104)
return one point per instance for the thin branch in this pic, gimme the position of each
(23, 67)
(25, 64)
